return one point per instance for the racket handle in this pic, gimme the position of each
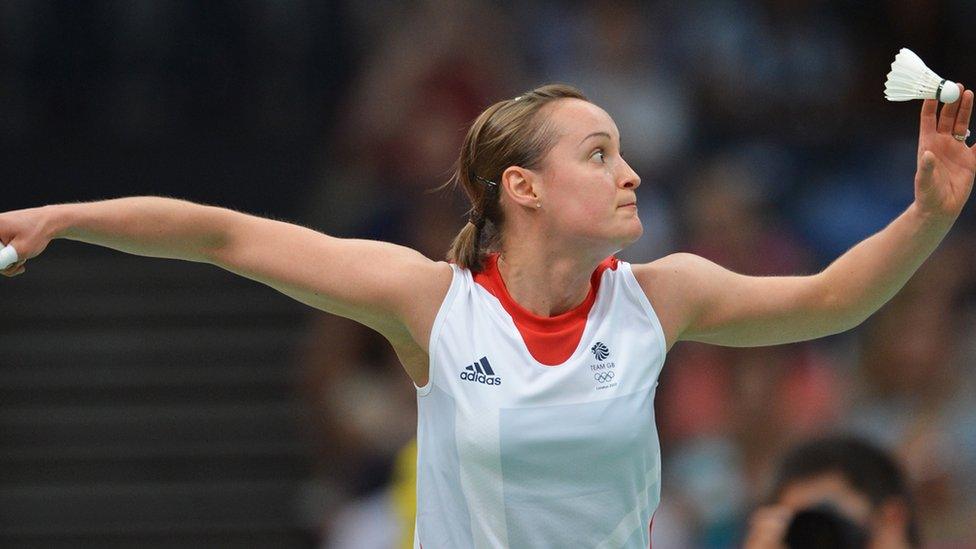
(8, 256)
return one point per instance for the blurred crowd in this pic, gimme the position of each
(763, 142)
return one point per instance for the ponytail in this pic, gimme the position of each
(467, 248)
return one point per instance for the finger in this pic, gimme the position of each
(948, 115)
(926, 165)
(965, 111)
(926, 172)
(767, 528)
(929, 107)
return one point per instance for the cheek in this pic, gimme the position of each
(585, 216)
(584, 195)
(583, 206)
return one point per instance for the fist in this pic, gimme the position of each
(27, 231)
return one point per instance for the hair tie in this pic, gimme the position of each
(477, 217)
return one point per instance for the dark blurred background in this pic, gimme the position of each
(151, 403)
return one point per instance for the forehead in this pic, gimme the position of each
(575, 119)
(832, 488)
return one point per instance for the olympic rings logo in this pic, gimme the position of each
(603, 377)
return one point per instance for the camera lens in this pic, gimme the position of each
(822, 527)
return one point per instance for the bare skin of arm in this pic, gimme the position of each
(391, 289)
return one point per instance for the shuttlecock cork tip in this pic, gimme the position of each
(8, 256)
(949, 92)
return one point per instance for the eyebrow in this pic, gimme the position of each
(594, 134)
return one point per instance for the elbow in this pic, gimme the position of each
(215, 252)
(215, 245)
(840, 311)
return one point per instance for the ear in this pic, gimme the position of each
(523, 186)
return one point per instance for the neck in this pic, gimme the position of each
(546, 283)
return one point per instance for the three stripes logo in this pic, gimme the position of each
(481, 372)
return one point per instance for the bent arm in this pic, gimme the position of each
(715, 305)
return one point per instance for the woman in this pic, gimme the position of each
(534, 351)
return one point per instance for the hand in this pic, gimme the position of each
(27, 231)
(946, 166)
(767, 528)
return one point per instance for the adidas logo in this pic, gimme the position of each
(481, 372)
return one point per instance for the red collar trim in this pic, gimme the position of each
(551, 340)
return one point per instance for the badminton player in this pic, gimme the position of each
(534, 351)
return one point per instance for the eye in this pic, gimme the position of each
(602, 155)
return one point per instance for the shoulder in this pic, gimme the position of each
(424, 284)
(426, 272)
(673, 284)
(675, 269)
(422, 279)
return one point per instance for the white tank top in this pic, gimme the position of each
(539, 432)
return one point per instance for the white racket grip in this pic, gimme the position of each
(8, 256)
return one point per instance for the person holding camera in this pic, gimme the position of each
(840, 492)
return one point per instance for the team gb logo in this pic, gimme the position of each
(600, 351)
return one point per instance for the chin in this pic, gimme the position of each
(635, 232)
(629, 238)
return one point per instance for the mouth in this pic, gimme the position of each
(628, 205)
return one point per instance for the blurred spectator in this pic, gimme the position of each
(384, 519)
(360, 404)
(839, 492)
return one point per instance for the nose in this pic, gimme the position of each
(630, 178)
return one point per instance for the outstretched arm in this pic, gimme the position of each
(381, 285)
(705, 302)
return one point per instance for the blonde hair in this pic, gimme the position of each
(508, 133)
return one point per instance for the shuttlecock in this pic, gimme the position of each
(911, 79)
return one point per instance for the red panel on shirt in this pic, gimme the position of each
(551, 339)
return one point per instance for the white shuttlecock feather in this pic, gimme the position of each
(911, 79)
